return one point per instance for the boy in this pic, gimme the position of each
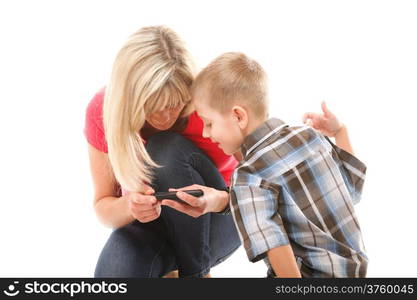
(292, 193)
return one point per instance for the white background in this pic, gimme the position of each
(360, 56)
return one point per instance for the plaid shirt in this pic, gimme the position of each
(295, 187)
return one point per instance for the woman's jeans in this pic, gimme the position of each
(174, 240)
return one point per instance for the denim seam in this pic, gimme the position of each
(199, 274)
(154, 258)
(224, 257)
(206, 269)
(203, 244)
(193, 163)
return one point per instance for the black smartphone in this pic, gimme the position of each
(173, 195)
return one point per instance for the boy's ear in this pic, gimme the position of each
(241, 116)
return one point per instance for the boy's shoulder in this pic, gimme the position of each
(283, 150)
(292, 141)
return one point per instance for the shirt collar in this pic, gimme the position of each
(260, 134)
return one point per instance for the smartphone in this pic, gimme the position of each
(173, 195)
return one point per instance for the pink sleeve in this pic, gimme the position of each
(94, 129)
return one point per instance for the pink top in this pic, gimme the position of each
(94, 132)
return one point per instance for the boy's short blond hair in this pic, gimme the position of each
(233, 78)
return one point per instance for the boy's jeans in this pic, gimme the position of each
(174, 240)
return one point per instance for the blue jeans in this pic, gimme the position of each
(174, 240)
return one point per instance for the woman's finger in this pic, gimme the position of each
(149, 214)
(148, 190)
(145, 200)
(147, 219)
(139, 208)
(142, 209)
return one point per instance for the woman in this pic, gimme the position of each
(144, 137)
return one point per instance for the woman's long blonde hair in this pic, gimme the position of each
(152, 71)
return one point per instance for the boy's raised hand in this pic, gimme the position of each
(327, 123)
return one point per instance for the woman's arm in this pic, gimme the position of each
(114, 211)
(328, 124)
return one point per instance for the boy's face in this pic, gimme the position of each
(222, 129)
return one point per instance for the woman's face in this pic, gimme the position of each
(164, 119)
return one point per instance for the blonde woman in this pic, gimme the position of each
(144, 137)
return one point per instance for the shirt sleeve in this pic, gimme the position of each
(352, 169)
(94, 128)
(255, 212)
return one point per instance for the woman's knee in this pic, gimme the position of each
(118, 257)
(183, 163)
(166, 147)
(131, 252)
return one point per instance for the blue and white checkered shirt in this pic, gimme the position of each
(296, 187)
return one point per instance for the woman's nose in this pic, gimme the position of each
(164, 115)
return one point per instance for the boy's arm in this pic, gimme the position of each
(283, 262)
(255, 212)
(342, 140)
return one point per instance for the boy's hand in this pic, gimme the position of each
(212, 201)
(327, 123)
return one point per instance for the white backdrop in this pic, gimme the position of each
(360, 56)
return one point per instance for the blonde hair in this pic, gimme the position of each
(234, 78)
(151, 72)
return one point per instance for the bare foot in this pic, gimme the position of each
(172, 274)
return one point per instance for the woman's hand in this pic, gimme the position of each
(327, 123)
(144, 207)
(212, 201)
